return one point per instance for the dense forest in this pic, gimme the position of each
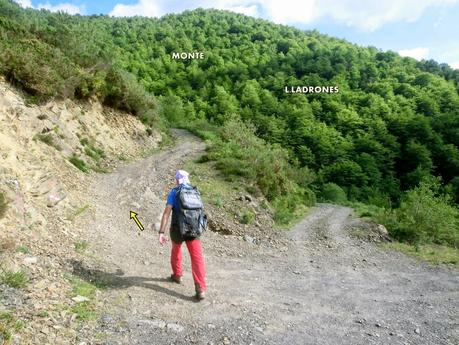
(388, 138)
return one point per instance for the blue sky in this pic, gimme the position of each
(417, 28)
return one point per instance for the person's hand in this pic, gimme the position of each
(162, 239)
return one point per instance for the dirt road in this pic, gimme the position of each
(321, 287)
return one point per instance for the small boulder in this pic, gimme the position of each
(175, 327)
(80, 299)
(382, 230)
(30, 260)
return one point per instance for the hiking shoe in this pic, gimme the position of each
(200, 295)
(175, 279)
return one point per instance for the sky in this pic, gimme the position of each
(422, 29)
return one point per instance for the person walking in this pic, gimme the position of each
(193, 244)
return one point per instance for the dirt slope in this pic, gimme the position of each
(44, 192)
(316, 285)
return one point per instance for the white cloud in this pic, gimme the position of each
(62, 7)
(24, 3)
(142, 8)
(247, 10)
(418, 53)
(290, 11)
(372, 14)
(366, 15)
(455, 64)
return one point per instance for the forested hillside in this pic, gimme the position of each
(389, 137)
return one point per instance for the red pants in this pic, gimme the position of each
(197, 261)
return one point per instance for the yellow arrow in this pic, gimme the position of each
(133, 215)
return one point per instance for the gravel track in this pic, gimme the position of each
(321, 287)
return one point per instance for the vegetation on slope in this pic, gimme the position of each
(393, 125)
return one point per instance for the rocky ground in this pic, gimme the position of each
(44, 194)
(315, 284)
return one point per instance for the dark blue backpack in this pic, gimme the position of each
(192, 220)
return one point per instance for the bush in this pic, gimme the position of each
(3, 205)
(331, 192)
(23, 249)
(247, 217)
(26, 63)
(13, 279)
(9, 325)
(123, 91)
(94, 153)
(424, 216)
(265, 168)
(48, 139)
(291, 206)
(80, 164)
(238, 152)
(81, 246)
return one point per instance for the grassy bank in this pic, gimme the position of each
(431, 253)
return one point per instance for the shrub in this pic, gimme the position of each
(239, 152)
(81, 246)
(3, 205)
(13, 279)
(291, 206)
(80, 164)
(424, 216)
(26, 63)
(9, 325)
(23, 249)
(331, 192)
(247, 217)
(94, 153)
(123, 91)
(263, 167)
(48, 139)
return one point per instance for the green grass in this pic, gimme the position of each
(85, 311)
(80, 210)
(9, 325)
(81, 246)
(43, 313)
(214, 188)
(95, 153)
(80, 164)
(82, 288)
(98, 169)
(84, 141)
(6, 317)
(48, 139)
(16, 279)
(220, 192)
(433, 254)
(364, 210)
(23, 249)
(247, 217)
(5, 333)
(285, 220)
(3, 205)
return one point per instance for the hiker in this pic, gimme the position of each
(174, 203)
